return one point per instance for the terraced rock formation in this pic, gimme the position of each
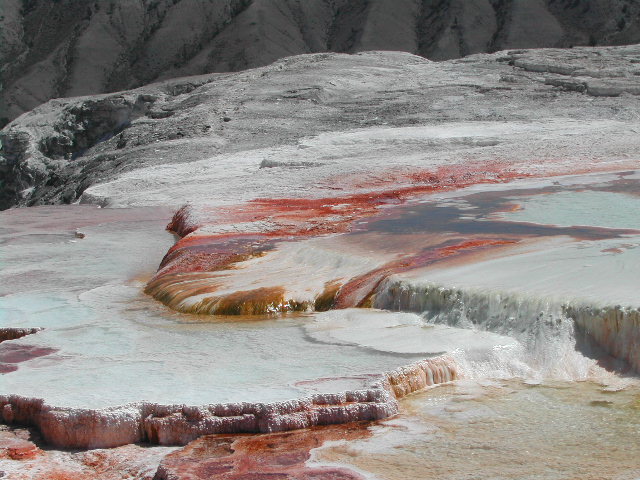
(483, 168)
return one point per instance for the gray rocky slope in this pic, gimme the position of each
(61, 48)
(55, 152)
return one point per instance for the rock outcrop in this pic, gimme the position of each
(72, 47)
(23, 457)
(279, 455)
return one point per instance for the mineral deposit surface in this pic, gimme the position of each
(347, 229)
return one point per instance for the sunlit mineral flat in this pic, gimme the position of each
(105, 343)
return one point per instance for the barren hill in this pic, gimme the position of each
(60, 48)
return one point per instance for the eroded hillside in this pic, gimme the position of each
(51, 49)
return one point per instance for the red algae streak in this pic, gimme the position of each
(10, 354)
(358, 291)
(249, 457)
(317, 216)
(307, 217)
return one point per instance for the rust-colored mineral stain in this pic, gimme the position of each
(290, 219)
(317, 216)
(18, 449)
(272, 456)
(205, 258)
(173, 289)
(359, 290)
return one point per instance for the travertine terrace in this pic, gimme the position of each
(343, 230)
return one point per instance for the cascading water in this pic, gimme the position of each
(549, 333)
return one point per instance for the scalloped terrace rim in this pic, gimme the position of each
(67, 427)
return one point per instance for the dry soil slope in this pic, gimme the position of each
(59, 48)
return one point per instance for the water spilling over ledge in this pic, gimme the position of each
(556, 337)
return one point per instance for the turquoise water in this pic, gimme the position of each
(597, 208)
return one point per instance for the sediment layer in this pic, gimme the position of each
(67, 427)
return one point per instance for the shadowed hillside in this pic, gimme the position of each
(59, 48)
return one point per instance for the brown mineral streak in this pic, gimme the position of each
(276, 455)
(260, 301)
(327, 299)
